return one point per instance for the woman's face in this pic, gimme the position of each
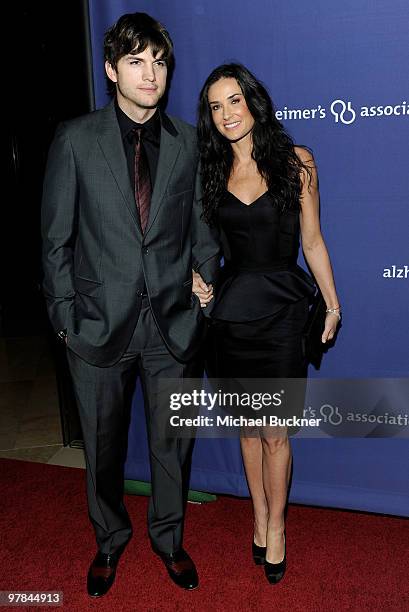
(229, 110)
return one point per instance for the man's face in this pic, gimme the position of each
(140, 80)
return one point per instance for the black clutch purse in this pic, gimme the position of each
(312, 345)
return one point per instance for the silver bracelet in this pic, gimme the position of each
(335, 311)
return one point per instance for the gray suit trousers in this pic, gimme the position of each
(104, 397)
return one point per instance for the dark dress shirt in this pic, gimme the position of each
(150, 141)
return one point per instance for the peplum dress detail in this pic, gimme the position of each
(262, 297)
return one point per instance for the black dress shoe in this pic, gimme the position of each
(101, 574)
(180, 568)
(275, 571)
(259, 554)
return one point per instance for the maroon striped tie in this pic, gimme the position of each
(143, 189)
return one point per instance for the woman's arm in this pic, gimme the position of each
(315, 251)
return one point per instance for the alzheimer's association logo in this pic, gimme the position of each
(343, 111)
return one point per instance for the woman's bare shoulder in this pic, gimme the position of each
(304, 155)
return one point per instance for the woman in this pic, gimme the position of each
(260, 191)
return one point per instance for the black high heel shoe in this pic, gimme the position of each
(259, 554)
(275, 571)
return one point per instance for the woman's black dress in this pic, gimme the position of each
(262, 299)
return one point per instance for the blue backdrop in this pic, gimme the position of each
(336, 72)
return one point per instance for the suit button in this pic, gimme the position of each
(139, 293)
(145, 251)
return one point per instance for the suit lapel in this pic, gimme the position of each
(110, 141)
(168, 154)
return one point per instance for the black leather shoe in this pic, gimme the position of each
(180, 568)
(101, 574)
(259, 554)
(275, 571)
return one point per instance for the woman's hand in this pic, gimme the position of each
(332, 321)
(204, 292)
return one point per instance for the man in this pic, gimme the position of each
(121, 233)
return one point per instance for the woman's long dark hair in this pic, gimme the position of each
(273, 148)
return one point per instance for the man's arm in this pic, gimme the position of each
(58, 220)
(205, 241)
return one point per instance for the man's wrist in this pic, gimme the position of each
(62, 335)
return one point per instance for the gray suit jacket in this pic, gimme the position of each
(95, 258)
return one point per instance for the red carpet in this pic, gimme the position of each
(336, 560)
